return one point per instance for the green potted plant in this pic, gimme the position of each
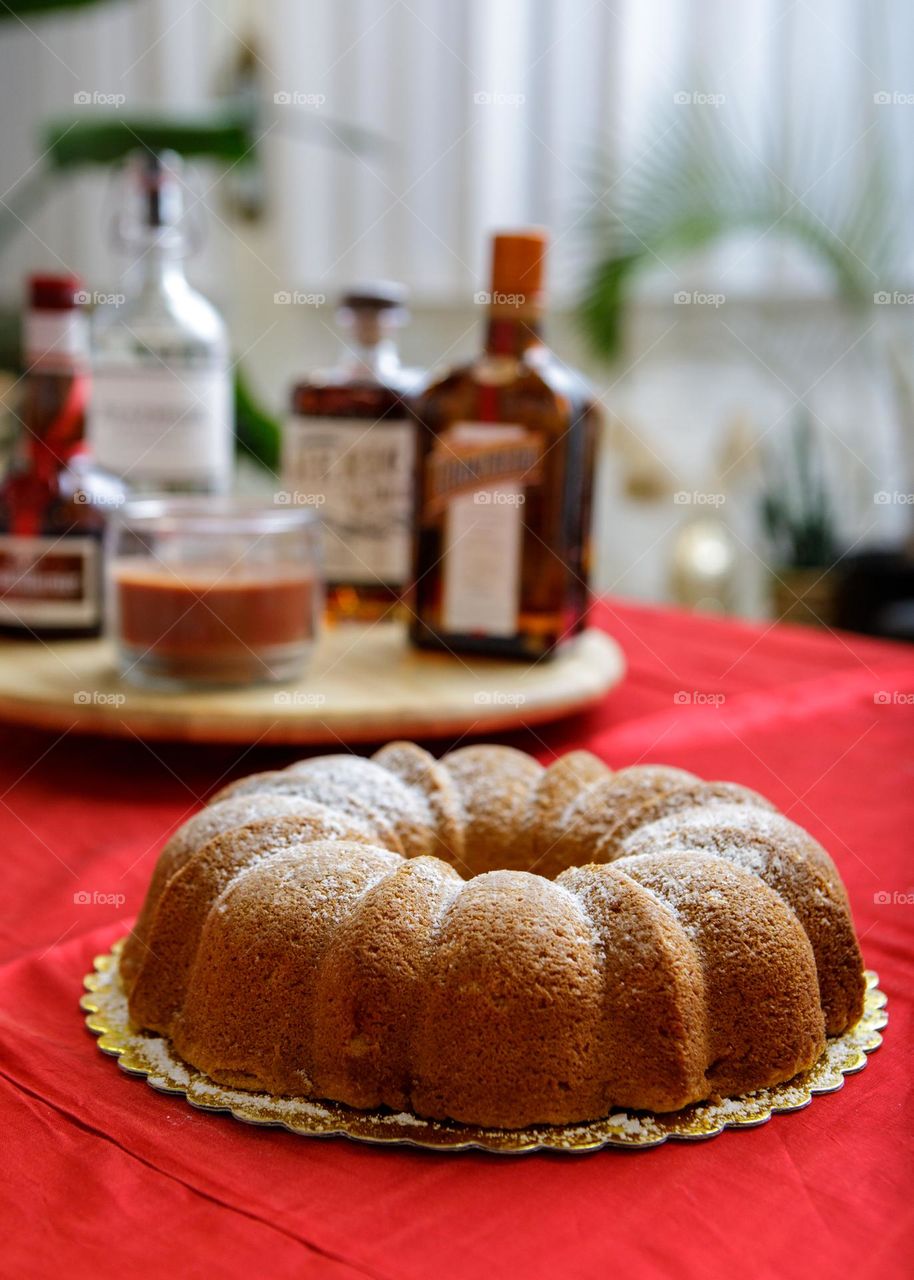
(798, 514)
(693, 188)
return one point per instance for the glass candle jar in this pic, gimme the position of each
(212, 591)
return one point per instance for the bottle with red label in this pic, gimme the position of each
(52, 501)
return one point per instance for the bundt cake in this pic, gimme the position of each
(487, 940)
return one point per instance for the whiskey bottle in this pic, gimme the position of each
(53, 502)
(349, 448)
(161, 409)
(506, 450)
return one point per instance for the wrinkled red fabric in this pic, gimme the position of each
(101, 1175)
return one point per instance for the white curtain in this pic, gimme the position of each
(485, 112)
(122, 55)
(503, 111)
(493, 112)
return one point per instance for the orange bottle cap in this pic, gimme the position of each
(519, 263)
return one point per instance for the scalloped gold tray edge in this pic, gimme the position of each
(150, 1057)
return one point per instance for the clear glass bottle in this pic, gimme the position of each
(349, 448)
(160, 414)
(506, 456)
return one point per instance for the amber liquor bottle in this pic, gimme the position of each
(349, 447)
(53, 501)
(506, 449)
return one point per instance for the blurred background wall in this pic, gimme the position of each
(727, 186)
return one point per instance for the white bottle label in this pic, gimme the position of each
(56, 339)
(49, 582)
(163, 424)
(479, 473)
(359, 475)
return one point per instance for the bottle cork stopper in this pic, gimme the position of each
(519, 263)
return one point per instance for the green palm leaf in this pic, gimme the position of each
(698, 184)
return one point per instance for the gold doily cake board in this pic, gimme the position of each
(151, 1057)
(364, 684)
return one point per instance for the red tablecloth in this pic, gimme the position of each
(103, 1176)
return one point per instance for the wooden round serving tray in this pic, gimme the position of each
(364, 684)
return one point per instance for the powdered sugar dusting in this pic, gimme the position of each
(363, 787)
(163, 1063)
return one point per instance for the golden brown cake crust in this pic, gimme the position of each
(275, 958)
(574, 834)
(787, 859)
(507, 1022)
(494, 785)
(216, 818)
(652, 1035)
(372, 983)
(170, 946)
(418, 768)
(764, 1020)
(557, 788)
(481, 939)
